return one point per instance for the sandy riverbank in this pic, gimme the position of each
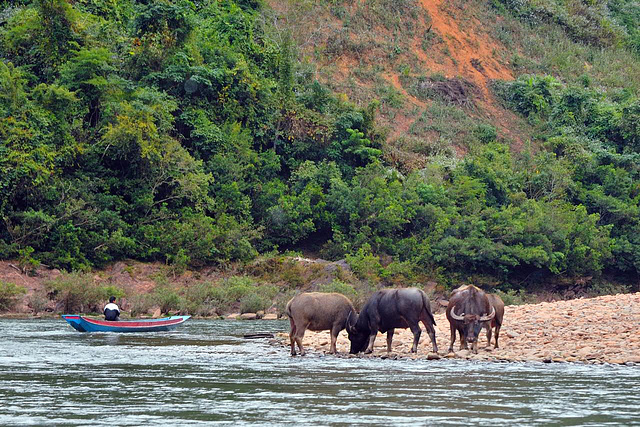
(592, 330)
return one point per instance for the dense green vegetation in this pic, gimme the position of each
(184, 131)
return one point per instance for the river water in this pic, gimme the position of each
(206, 373)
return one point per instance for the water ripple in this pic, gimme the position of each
(206, 373)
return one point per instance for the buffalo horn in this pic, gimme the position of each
(489, 316)
(456, 316)
(350, 328)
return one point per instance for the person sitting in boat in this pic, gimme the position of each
(111, 310)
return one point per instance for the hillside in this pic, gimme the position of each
(493, 142)
(409, 56)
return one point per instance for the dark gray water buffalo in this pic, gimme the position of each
(389, 309)
(317, 311)
(468, 311)
(496, 322)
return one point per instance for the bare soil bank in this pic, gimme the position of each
(591, 330)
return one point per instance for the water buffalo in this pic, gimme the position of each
(388, 309)
(317, 311)
(468, 311)
(496, 322)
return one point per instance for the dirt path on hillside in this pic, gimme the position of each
(593, 330)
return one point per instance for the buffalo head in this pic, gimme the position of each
(359, 338)
(472, 324)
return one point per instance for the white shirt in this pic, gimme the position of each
(111, 306)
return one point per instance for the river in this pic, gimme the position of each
(205, 373)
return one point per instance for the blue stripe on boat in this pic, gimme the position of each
(87, 324)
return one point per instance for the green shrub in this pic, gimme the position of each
(37, 301)
(237, 287)
(76, 292)
(399, 273)
(26, 262)
(141, 304)
(340, 287)
(111, 290)
(167, 298)
(514, 297)
(206, 299)
(292, 273)
(9, 294)
(364, 264)
(252, 303)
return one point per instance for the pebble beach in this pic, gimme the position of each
(598, 330)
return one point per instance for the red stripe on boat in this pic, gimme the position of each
(72, 317)
(133, 323)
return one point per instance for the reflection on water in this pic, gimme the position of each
(205, 372)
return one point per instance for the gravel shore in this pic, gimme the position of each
(597, 330)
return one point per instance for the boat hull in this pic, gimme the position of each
(87, 324)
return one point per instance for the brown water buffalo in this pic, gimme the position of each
(496, 322)
(468, 311)
(389, 309)
(317, 311)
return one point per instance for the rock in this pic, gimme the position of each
(248, 316)
(270, 316)
(232, 316)
(156, 313)
(433, 356)
(512, 334)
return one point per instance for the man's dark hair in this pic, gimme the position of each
(112, 299)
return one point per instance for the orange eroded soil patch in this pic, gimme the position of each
(471, 51)
(591, 330)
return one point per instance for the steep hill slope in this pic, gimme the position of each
(427, 62)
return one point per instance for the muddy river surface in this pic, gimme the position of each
(206, 373)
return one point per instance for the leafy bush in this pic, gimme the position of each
(237, 287)
(514, 297)
(340, 287)
(141, 304)
(77, 292)
(364, 264)
(9, 294)
(167, 298)
(253, 302)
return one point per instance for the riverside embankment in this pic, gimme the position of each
(588, 330)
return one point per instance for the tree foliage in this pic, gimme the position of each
(185, 132)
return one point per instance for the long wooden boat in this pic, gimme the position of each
(88, 324)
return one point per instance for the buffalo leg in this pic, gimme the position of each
(334, 338)
(453, 337)
(372, 339)
(497, 333)
(292, 335)
(415, 328)
(432, 334)
(463, 341)
(389, 339)
(488, 336)
(299, 335)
